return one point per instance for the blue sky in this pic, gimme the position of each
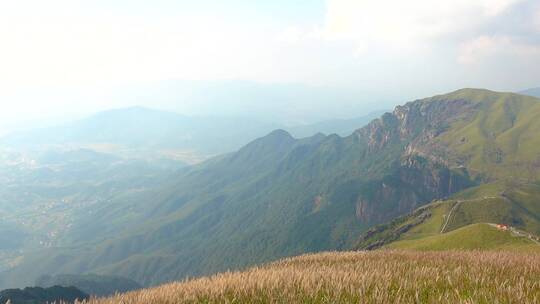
(69, 57)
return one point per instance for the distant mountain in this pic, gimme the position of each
(38, 295)
(531, 92)
(282, 103)
(341, 127)
(94, 285)
(280, 196)
(141, 132)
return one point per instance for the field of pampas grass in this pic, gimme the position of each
(363, 277)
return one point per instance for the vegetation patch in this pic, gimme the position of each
(363, 277)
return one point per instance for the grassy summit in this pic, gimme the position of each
(498, 138)
(363, 277)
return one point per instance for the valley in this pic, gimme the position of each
(45, 193)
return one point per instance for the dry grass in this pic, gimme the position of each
(363, 277)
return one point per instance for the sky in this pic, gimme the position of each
(67, 58)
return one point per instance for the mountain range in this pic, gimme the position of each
(139, 132)
(473, 152)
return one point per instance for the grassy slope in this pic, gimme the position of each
(363, 277)
(519, 208)
(470, 237)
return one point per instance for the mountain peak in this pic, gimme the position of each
(279, 133)
(278, 137)
(274, 139)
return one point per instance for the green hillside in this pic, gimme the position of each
(463, 219)
(498, 139)
(280, 196)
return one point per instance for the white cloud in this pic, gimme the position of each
(495, 7)
(485, 48)
(388, 46)
(537, 19)
(60, 43)
(405, 24)
(479, 48)
(77, 47)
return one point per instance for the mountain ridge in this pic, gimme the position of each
(141, 132)
(279, 196)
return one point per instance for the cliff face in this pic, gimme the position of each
(416, 123)
(416, 181)
(419, 172)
